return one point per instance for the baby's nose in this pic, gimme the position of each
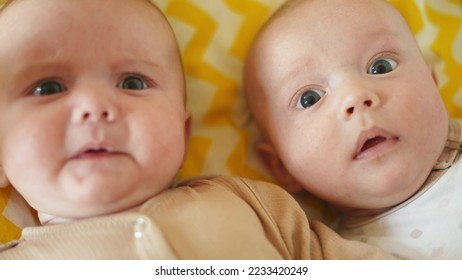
(94, 106)
(361, 104)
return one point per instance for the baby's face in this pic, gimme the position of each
(352, 109)
(92, 115)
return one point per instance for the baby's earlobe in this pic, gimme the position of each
(432, 70)
(271, 160)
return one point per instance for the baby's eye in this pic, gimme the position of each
(133, 83)
(309, 98)
(382, 66)
(49, 88)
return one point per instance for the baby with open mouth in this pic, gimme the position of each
(350, 111)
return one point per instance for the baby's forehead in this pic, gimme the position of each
(117, 30)
(332, 10)
(70, 15)
(317, 17)
(156, 11)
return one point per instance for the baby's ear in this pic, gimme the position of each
(3, 179)
(272, 162)
(187, 126)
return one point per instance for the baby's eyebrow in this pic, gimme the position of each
(33, 70)
(124, 62)
(303, 71)
(378, 32)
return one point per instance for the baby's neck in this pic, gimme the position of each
(362, 213)
(46, 219)
(354, 217)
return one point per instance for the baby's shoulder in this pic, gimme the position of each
(234, 185)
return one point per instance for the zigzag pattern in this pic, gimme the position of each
(228, 138)
(438, 28)
(241, 162)
(197, 67)
(196, 64)
(446, 16)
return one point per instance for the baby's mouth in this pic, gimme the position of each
(96, 151)
(370, 143)
(93, 151)
(373, 141)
